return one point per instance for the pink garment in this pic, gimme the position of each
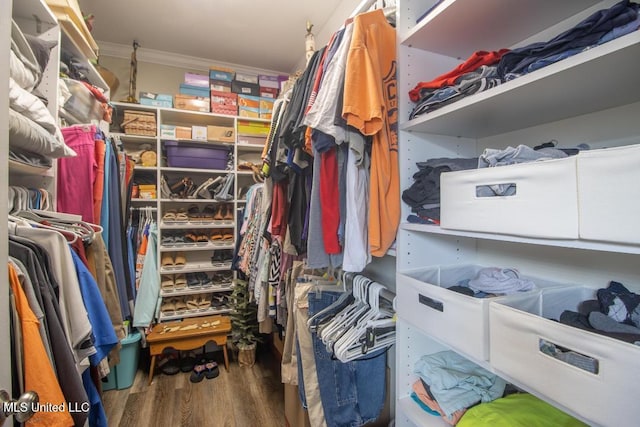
(76, 175)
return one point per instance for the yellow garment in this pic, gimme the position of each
(38, 372)
(371, 106)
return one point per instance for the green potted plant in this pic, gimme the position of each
(244, 323)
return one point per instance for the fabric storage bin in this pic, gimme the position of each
(608, 194)
(458, 320)
(545, 203)
(123, 374)
(193, 155)
(516, 328)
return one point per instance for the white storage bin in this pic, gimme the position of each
(609, 195)
(608, 397)
(460, 321)
(545, 204)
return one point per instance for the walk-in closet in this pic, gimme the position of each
(375, 213)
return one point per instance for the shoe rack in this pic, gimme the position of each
(196, 210)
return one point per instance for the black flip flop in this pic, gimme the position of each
(169, 364)
(198, 373)
(211, 370)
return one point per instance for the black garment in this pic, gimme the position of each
(581, 321)
(586, 33)
(37, 263)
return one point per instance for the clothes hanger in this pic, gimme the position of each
(71, 237)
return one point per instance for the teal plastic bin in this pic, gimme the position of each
(123, 374)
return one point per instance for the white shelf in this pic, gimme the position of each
(23, 169)
(563, 243)
(146, 168)
(207, 143)
(458, 28)
(568, 88)
(194, 170)
(144, 201)
(193, 225)
(194, 291)
(195, 268)
(196, 248)
(135, 138)
(188, 313)
(209, 201)
(250, 147)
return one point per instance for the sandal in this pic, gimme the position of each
(205, 280)
(169, 215)
(168, 283)
(168, 240)
(194, 214)
(180, 260)
(169, 363)
(191, 238)
(167, 260)
(202, 240)
(204, 302)
(228, 215)
(193, 303)
(182, 216)
(219, 215)
(168, 307)
(216, 236)
(180, 306)
(193, 281)
(211, 370)
(187, 361)
(209, 213)
(227, 235)
(180, 282)
(198, 373)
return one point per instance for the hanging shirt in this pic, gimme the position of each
(371, 106)
(39, 375)
(149, 292)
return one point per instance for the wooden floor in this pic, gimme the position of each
(241, 397)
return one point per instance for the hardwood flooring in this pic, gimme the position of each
(241, 397)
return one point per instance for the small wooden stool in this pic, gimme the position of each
(189, 335)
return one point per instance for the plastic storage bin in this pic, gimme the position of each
(123, 374)
(545, 204)
(189, 155)
(608, 397)
(460, 321)
(608, 194)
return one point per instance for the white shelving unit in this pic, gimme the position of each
(588, 98)
(198, 255)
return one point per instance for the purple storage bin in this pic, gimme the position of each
(197, 156)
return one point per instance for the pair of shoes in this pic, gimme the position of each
(168, 363)
(222, 278)
(187, 361)
(204, 369)
(183, 188)
(222, 257)
(171, 260)
(171, 282)
(175, 215)
(224, 192)
(224, 212)
(222, 237)
(207, 189)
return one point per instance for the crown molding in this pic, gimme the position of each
(177, 60)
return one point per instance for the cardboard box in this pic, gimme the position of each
(221, 73)
(224, 98)
(229, 110)
(198, 80)
(183, 132)
(266, 116)
(186, 89)
(147, 191)
(247, 78)
(250, 128)
(268, 92)
(168, 131)
(243, 88)
(253, 113)
(221, 133)
(269, 81)
(193, 103)
(249, 101)
(156, 99)
(252, 140)
(199, 133)
(220, 86)
(266, 105)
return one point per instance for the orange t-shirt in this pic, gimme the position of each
(371, 106)
(38, 372)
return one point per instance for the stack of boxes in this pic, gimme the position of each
(194, 93)
(223, 100)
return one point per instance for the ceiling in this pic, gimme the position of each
(265, 34)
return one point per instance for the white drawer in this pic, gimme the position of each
(545, 203)
(608, 397)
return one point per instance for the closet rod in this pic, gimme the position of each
(362, 7)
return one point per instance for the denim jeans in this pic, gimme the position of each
(352, 393)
